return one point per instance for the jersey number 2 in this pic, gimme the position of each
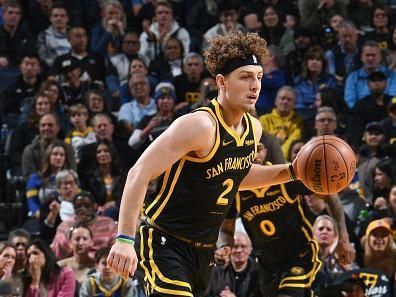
(222, 200)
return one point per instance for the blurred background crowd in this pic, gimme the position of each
(87, 85)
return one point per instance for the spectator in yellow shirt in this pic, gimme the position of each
(283, 122)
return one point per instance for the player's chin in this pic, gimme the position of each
(248, 107)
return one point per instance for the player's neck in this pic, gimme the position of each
(231, 116)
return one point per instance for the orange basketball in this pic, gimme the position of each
(326, 164)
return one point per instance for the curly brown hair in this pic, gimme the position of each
(234, 45)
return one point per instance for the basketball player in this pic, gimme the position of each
(202, 159)
(282, 237)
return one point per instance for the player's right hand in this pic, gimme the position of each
(122, 259)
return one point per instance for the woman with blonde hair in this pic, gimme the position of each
(326, 233)
(379, 248)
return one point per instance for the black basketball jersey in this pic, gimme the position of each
(195, 194)
(274, 220)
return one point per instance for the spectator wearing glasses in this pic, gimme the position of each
(59, 209)
(132, 112)
(138, 65)
(19, 238)
(325, 121)
(239, 277)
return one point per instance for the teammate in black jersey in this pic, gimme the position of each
(282, 237)
(202, 160)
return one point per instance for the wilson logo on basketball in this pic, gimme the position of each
(316, 180)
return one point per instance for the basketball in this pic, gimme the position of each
(326, 164)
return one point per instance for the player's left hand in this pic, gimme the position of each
(345, 253)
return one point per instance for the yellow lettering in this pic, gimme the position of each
(248, 216)
(214, 172)
(208, 174)
(220, 168)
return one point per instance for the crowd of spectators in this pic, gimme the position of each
(87, 85)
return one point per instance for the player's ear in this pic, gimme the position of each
(220, 81)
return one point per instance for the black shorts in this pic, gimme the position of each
(295, 277)
(169, 266)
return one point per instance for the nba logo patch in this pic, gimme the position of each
(296, 270)
(254, 59)
(163, 240)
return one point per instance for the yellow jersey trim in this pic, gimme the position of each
(259, 192)
(151, 278)
(239, 139)
(172, 186)
(254, 134)
(286, 195)
(238, 202)
(161, 192)
(310, 276)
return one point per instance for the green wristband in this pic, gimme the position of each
(124, 240)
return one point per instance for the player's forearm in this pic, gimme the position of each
(226, 234)
(131, 203)
(264, 176)
(338, 214)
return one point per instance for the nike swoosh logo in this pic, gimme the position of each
(227, 143)
(303, 254)
(244, 198)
